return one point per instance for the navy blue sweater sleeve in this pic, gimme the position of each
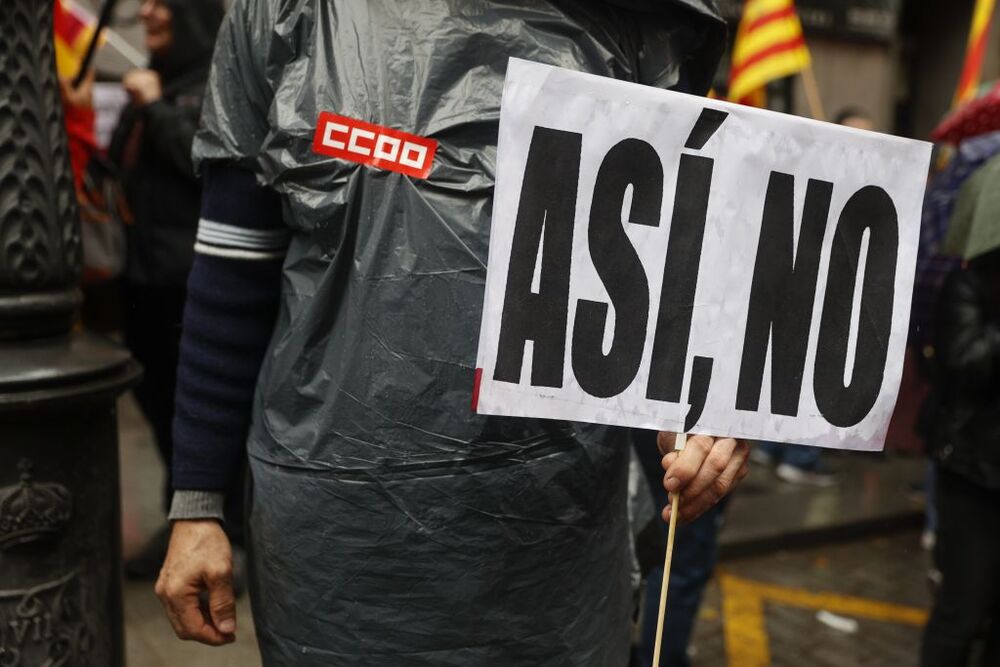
(232, 302)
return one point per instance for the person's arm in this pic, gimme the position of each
(232, 301)
(170, 127)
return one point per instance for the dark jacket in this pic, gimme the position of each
(965, 427)
(152, 147)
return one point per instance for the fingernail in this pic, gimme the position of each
(227, 626)
(672, 484)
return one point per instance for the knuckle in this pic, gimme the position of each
(717, 462)
(702, 444)
(720, 487)
(683, 471)
(172, 590)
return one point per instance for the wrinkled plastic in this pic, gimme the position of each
(390, 524)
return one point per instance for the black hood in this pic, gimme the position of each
(685, 59)
(195, 24)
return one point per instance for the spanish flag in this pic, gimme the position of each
(769, 45)
(73, 32)
(982, 17)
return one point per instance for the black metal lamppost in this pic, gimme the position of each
(60, 535)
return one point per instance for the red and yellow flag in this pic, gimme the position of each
(73, 31)
(769, 45)
(979, 32)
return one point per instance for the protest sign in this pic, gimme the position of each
(659, 260)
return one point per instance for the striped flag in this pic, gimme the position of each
(74, 28)
(769, 45)
(979, 32)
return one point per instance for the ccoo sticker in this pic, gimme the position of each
(373, 145)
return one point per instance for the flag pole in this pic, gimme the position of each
(812, 93)
(102, 21)
(681, 442)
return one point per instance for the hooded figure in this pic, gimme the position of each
(963, 413)
(390, 525)
(152, 148)
(152, 144)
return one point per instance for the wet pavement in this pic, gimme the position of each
(820, 576)
(873, 494)
(858, 603)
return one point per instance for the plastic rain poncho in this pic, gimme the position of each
(390, 525)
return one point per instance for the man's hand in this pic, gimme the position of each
(703, 472)
(143, 86)
(199, 559)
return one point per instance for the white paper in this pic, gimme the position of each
(746, 148)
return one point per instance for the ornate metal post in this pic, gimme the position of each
(60, 563)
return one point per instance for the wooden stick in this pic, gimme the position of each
(681, 442)
(812, 93)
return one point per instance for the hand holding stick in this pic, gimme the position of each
(703, 469)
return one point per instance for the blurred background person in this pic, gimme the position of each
(933, 268)
(795, 464)
(854, 117)
(963, 411)
(152, 148)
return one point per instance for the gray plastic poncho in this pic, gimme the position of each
(390, 524)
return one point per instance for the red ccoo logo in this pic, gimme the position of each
(374, 145)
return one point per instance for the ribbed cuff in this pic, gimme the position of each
(189, 504)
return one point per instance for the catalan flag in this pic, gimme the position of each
(73, 30)
(979, 33)
(769, 45)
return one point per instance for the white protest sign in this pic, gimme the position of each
(659, 260)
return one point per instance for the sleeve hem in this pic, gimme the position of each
(191, 504)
